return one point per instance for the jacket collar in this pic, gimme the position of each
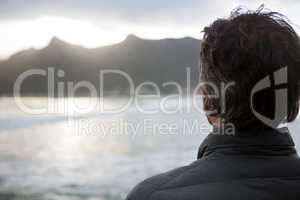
(258, 143)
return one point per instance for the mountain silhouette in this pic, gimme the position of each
(157, 61)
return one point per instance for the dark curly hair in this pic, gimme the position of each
(245, 48)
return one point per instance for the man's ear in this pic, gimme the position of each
(214, 121)
(208, 105)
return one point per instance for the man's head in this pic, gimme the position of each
(244, 49)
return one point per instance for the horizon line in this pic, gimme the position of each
(57, 38)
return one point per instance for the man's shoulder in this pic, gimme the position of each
(148, 187)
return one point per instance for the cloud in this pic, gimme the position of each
(149, 19)
(183, 12)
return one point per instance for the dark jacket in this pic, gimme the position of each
(248, 165)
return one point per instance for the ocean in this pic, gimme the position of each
(94, 155)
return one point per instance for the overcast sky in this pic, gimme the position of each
(93, 23)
